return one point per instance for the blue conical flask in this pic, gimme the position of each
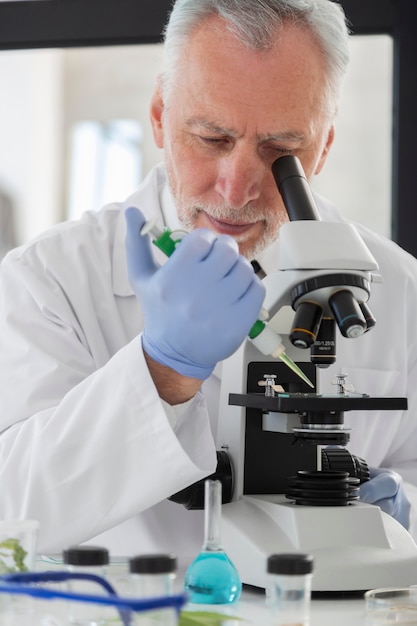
(212, 578)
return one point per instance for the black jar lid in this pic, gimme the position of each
(153, 564)
(86, 555)
(290, 564)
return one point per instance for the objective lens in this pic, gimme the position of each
(306, 324)
(347, 313)
(369, 318)
(323, 351)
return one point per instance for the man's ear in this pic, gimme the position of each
(156, 114)
(326, 150)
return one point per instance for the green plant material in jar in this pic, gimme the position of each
(12, 556)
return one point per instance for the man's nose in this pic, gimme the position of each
(239, 177)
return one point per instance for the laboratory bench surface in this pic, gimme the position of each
(323, 611)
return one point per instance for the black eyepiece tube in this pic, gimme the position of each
(294, 189)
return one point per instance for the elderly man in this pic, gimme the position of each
(110, 369)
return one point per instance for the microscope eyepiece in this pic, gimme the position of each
(294, 189)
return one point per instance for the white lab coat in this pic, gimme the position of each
(87, 446)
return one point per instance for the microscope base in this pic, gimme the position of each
(355, 547)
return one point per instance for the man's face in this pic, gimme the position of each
(231, 113)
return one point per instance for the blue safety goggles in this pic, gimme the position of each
(29, 583)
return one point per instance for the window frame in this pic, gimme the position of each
(396, 18)
(26, 24)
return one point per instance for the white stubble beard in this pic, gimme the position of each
(188, 211)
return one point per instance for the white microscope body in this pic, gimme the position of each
(355, 546)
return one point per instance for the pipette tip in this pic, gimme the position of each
(294, 367)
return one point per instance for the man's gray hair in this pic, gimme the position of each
(256, 24)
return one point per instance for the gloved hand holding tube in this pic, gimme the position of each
(200, 305)
(385, 489)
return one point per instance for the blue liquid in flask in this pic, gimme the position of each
(212, 578)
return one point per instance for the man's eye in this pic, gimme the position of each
(280, 151)
(214, 140)
(272, 153)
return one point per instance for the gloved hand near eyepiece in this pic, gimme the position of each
(385, 489)
(200, 305)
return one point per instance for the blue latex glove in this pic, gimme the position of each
(385, 488)
(200, 305)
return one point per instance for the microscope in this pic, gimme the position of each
(296, 486)
(289, 483)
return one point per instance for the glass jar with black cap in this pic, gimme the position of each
(87, 559)
(289, 588)
(153, 575)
